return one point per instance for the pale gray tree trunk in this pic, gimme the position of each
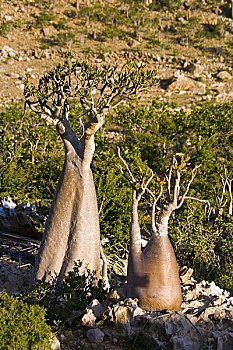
(72, 228)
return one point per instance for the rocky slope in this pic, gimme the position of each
(191, 47)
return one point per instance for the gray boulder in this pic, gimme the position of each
(95, 335)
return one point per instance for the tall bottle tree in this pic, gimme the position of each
(72, 229)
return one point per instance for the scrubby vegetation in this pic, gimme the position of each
(73, 295)
(31, 320)
(23, 326)
(201, 231)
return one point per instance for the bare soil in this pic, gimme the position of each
(35, 35)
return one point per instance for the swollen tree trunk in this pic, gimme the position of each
(72, 229)
(153, 275)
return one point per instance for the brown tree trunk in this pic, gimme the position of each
(72, 229)
(134, 270)
(153, 274)
(161, 290)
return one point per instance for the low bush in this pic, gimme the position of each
(74, 294)
(22, 326)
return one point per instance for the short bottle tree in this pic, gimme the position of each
(153, 273)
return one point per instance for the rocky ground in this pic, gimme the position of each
(191, 49)
(205, 320)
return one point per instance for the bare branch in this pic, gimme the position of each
(131, 178)
(230, 209)
(154, 228)
(168, 178)
(176, 189)
(145, 186)
(198, 199)
(194, 172)
(48, 120)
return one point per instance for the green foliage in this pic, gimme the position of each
(5, 27)
(22, 326)
(65, 37)
(168, 4)
(31, 157)
(143, 341)
(96, 88)
(213, 31)
(44, 4)
(62, 24)
(113, 32)
(74, 294)
(45, 19)
(117, 21)
(201, 233)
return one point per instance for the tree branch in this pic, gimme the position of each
(194, 172)
(130, 178)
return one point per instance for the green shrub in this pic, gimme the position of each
(64, 37)
(143, 341)
(5, 27)
(74, 294)
(30, 157)
(113, 32)
(212, 31)
(44, 19)
(169, 4)
(22, 326)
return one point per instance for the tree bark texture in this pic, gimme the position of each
(153, 274)
(72, 228)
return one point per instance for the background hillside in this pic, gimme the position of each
(180, 39)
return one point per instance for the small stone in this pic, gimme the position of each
(95, 335)
(186, 277)
(97, 308)
(21, 86)
(88, 319)
(122, 315)
(224, 75)
(182, 83)
(8, 18)
(137, 312)
(195, 69)
(55, 344)
(114, 295)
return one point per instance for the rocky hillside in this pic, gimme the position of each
(189, 45)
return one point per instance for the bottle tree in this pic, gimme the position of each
(72, 229)
(153, 273)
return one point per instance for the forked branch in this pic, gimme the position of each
(184, 196)
(98, 89)
(129, 176)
